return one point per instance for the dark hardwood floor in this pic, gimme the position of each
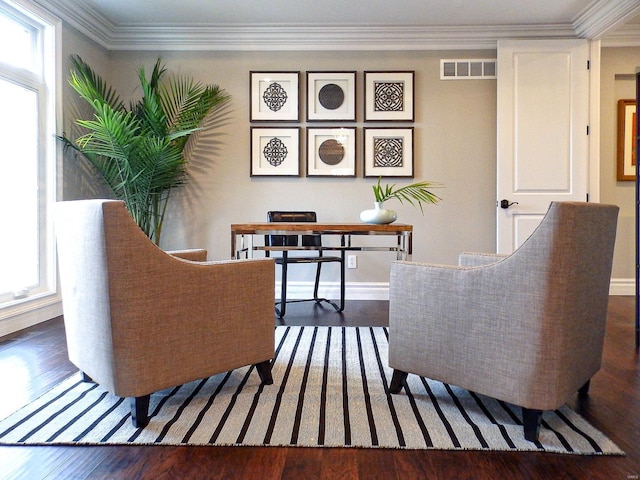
(34, 360)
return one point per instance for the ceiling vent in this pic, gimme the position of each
(466, 69)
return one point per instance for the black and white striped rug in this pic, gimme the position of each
(330, 390)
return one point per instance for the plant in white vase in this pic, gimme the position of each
(415, 193)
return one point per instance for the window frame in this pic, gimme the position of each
(45, 301)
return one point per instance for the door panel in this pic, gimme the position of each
(543, 112)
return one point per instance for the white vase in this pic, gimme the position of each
(378, 215)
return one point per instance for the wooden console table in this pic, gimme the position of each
(247, 231)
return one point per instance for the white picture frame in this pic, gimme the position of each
(389, 96)
(274, 96)
(331, 152)
(331, 96)
(275, 152)
(388, 152)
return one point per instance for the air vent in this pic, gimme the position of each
(468, 69)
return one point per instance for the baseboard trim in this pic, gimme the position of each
(380, 290)
(331, 290)
(30, 315)
(622, 286)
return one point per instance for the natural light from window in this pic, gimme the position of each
(27, 158)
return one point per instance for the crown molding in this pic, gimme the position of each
(602, 17)
(595, 20)
(279, 37)
(625, 36)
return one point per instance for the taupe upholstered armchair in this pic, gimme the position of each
(139, 320)
(525, 328)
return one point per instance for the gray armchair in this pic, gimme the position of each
(139, 320)
(526, 328)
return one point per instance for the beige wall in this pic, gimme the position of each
(455, 132)
(618, 66)
(454, 145)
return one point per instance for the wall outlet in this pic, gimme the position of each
(352, 261)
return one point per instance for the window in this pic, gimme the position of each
(28, 163)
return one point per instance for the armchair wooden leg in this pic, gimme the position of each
(584, 390)
(140, 410)
(397, 381)
(531, 420)
(85, 377)
(264, 371)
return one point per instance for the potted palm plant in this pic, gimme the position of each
(139, 150)
(415, 193)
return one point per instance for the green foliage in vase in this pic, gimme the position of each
(139, 150)
(415, 193)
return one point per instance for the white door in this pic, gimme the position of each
(542, 128)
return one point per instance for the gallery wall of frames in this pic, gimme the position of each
(329, 140)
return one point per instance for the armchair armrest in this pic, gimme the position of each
(194, 255)
(475, 259)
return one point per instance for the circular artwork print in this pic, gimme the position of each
(331, 152)
(331, 96)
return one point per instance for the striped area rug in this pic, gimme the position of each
(330, 390)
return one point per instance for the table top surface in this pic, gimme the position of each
(252, 228)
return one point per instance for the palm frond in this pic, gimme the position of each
(418, 192)
(140, 152)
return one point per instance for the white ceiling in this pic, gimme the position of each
(360, 24)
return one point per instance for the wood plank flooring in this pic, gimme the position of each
(34, 360)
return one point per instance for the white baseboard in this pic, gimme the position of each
(331, 290)
(29, 315)
(380, 290)
(622, 286)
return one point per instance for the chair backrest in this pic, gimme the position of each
(564, 272)
(292, 240)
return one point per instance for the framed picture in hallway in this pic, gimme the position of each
(627, 154)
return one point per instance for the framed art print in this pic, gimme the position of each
(388, 96)
(331, 152)
(388, 152)
(331, 96)
(275, 151)
(274, 96)
(627, 155)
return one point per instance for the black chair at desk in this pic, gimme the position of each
(312, 241)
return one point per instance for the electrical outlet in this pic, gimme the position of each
(352, 261)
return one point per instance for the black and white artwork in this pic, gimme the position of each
(275, 151)
(274, 96)
(331, 96)
(388, 152)
(389, 96)
(331, 152)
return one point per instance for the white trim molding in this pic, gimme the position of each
(594, 22)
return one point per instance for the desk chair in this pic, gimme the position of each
(311, 241)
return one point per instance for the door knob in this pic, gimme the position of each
(506, 204)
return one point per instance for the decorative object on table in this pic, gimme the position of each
(388, 152)
(415, 193)
(331, 152)
(275, 151)
(139, 151)
(331, 96)
(388, 96)
(274, 96)
(627, 154)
